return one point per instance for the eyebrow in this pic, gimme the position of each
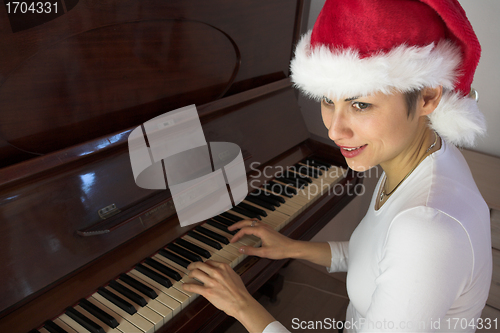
(351, 99)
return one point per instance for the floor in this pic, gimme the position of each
(307, 295)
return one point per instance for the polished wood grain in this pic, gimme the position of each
(109, 65)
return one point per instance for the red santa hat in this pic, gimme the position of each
(360, 47)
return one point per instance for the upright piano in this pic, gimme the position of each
(82, 247)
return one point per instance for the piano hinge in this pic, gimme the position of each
(108, 211)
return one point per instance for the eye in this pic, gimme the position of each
(360, 105)
(327, 101)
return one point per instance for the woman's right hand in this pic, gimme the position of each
(274, 244)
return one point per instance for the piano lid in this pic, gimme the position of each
(105, 66)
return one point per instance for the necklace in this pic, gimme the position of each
(383, 194)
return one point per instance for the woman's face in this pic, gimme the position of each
(370, 130)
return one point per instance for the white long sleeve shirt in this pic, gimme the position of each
(422, 262)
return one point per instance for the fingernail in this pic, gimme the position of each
(242, 250)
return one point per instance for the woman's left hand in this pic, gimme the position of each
(221, 285)
(224, 289)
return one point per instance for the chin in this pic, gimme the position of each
(357, 166)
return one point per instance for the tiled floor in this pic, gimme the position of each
(301, 299)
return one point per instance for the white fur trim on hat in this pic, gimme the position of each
(343, 73)
(458, 120)
(340, 74)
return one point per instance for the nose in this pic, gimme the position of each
(337, 124)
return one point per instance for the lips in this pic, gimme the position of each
(350, 152)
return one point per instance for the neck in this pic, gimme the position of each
(403, 164)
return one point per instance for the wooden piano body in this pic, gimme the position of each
(71, 90)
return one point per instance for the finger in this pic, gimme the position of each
(199, 276)
(204, 267)
(253, 251)
(241, 224)
(246, 231)
(215, 264)
(194, 288)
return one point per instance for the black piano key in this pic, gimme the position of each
(224, 221)
(246, 213)
(193, 247)
(164, 281)
(231, 217)
(307, 170)
(205, 240)
(318, 162)
(280, 189)
(138, 285)
(271, 198)
(183, 252)
(163, 269)
(293, 175)
(252, 209)
(295, 183)
(53, 327)
(260, 202)
(299, 182)
(220, 226)
(174, 257)
(98, 313)
(117, 300)
(286, 189)
(133, 296)
(212, 234)
(290, 176)
(89, 325)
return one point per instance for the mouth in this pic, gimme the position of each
(351, 149)
(351, 152)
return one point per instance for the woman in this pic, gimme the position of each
(393, 78)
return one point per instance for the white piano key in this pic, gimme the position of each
(275, 216)
(104, 326)
(231, 247)
(73, 324)
(163, 298)
(137, 320)
(175, 284)
(171, 264)
(123, 324)
(145, 311)
(216, 254)
(172, 292)
(63, 325)
(154, 304)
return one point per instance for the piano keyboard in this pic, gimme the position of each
(148, 296)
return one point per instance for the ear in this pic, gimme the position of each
(429, 101)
